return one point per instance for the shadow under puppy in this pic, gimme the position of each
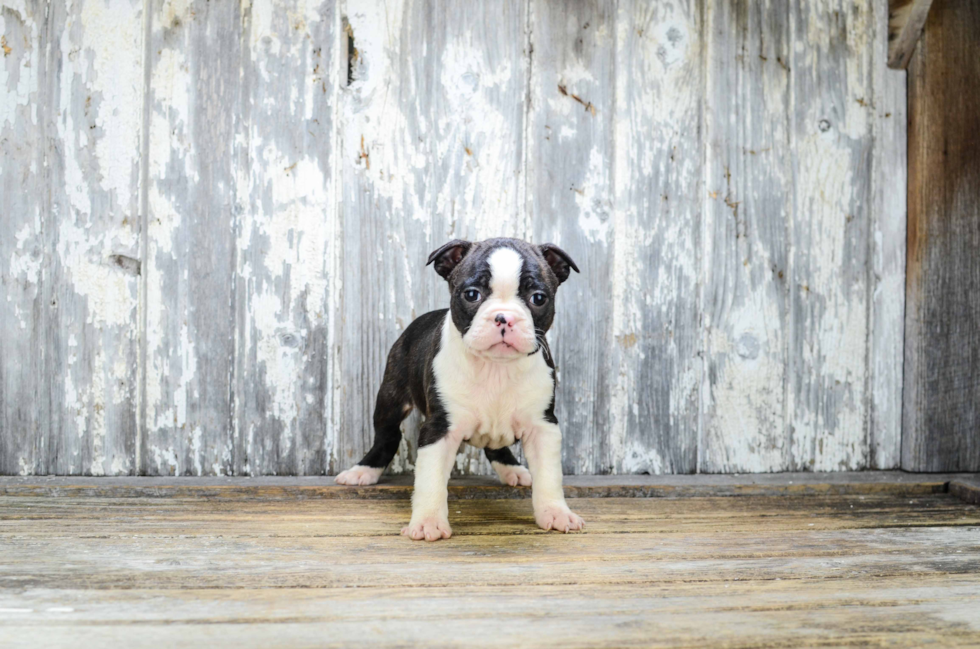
(480, 372)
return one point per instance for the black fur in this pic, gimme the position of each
(409, 380)
(501, 455)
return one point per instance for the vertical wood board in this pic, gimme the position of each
(194, 196)
(23, 76)
(570, 203)
(942, 339)
(748, 203)
(432, 136)
(655, 366)
(75, 82)
(829, 230)
(286, 291)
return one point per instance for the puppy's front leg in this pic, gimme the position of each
(542, 447)
(430, 510)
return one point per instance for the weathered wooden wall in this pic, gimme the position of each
(942, 353)
(216, 215)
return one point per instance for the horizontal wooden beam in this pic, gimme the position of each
(906, 18)
(479, 488)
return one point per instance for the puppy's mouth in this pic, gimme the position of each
(503, 344)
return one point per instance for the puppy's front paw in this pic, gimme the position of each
(558, 517)
(359, 475)
(513, 475)
(430, 528)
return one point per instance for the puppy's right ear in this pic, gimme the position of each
(448, 256)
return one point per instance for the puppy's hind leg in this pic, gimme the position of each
(508, 469)
(393, 405)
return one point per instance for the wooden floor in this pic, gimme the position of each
(251, 564)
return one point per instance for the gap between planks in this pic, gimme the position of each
(965, 486)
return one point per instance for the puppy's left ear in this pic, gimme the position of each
(561, 264)
(448, 256)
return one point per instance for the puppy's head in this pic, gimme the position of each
(502, 292)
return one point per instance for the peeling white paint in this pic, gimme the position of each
(593, 203)
(115, 48)
(410, 169)
(110, 291)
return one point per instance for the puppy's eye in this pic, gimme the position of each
(471, 295)
(539, 299)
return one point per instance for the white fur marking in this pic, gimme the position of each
(484, 333)
(359, 475)
(430, 509)
(512, 475)
(505, 273)
(490, 403)
(542, 447)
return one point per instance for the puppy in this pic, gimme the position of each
(480, 372)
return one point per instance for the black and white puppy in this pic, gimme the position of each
(480, 372)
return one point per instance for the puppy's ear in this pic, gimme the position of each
(448, 256)
(561, 264)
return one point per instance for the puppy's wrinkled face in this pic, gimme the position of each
(502, 293)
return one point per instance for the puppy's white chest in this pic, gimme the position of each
(493, 403)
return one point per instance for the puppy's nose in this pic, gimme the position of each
(504, 319)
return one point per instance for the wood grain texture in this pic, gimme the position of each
(748, 201)
(656, 368)
(570, 149)
(803, 240)
(906, 18)
(71, 170)
(195, 114)
(829, 261)
(751, 571)
(887, 266)
(966, 489)
(942, 349)
(286, 285)
(399, 487)
(23, 84)
(728, 176)
(432, 131)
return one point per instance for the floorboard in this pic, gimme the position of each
(269, 566)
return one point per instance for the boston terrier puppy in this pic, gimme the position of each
(480, 372)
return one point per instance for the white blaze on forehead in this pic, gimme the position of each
(505, 272)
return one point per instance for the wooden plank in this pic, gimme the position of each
(199, 544)
(829, 266)
(906, 19)
(74, 242)
(656, 369)
(286, 289)
(747, 203)
(432, 136)
(801, 321)
(889, 214)
(942, 343)
(967, 490)
(186, 560)
(23, 250)
(193, 195)
(92, 335)
(470, 488)
(894, 612)
(268, 522)
(569, 202)
(758, 571)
